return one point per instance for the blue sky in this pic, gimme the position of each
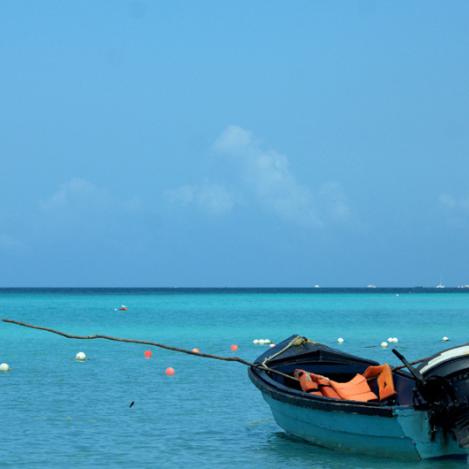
(268, 143)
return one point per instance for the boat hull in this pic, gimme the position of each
(404, 435)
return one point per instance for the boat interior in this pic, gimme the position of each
(341, 372)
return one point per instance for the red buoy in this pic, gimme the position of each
(234, 347)
(148, 353)
(170, 371)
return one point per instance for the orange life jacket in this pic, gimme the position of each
(316, 384)
(385, 380)
(307, 383)
(357, 389)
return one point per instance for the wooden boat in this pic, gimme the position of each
(428, 418)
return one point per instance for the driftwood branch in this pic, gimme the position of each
(151, 343)
(172, 348)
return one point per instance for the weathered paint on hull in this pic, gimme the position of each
(405, 436)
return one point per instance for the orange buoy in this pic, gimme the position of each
(234, 347)
(196, 350)
(170, 371)
(148, 353)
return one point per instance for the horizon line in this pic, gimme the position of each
(308, 288)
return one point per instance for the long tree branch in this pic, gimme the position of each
(149, 342)
(170, 347)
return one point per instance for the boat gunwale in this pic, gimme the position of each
(301, 399)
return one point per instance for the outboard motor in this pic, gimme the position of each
(444, 387)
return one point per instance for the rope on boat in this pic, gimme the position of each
(295, 342)
(300, 340)
(172, 348)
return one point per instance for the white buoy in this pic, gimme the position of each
(267, 341)
(340, 340)
(80, 356)
(255, 341)
(384, 344)
(272, 345)
(444, 339)
(390, 340)
(4, 367)
(396, 340)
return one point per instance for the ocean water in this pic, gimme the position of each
(56, 412)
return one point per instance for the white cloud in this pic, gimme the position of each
(75, 193)
(263, 177)
(267, 174)
(233, 138)
(211, 198)
(450, 202)
(81, 195)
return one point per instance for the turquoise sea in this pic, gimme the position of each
(56, 412)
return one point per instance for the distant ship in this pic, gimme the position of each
(440, 285)
(371, 286)
(317, 286)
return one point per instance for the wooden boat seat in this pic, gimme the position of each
(357, 389)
